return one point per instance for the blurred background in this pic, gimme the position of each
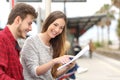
(88, 20)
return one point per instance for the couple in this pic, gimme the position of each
(41, 55)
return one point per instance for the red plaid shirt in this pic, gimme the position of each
(10, 66)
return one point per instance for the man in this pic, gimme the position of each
(91, 48)
(19, 23)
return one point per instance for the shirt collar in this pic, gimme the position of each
(10, 36)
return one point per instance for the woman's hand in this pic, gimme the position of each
(71, 65)
(62, 60)
(66, 68)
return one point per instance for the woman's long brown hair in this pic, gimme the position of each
(58, 43)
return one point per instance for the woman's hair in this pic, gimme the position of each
(58, 43)
(22, 10)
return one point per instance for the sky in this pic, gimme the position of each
(77, 9)
(72, 9)
(83, 8)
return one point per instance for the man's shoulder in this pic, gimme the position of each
(2, 35)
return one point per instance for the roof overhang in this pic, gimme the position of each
(82, 24)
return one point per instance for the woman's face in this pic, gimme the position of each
(56, 28)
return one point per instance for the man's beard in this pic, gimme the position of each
(19, 32)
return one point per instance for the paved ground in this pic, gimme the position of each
(99, 68)
(113, 53)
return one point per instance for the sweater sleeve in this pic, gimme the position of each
(29, 57)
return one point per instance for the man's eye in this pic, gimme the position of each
(29, 23)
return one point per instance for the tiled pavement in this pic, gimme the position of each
(99, 68)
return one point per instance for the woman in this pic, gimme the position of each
(43, 54)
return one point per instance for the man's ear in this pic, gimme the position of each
(18, 20)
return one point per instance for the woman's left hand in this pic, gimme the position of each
(71, 65)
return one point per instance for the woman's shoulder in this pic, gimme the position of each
(33, 37)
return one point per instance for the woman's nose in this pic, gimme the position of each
(57, 29)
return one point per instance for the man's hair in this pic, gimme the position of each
(22, 10)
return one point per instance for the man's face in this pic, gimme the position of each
(24, 27)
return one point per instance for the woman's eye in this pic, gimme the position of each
(61, 27)
(55, 24)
